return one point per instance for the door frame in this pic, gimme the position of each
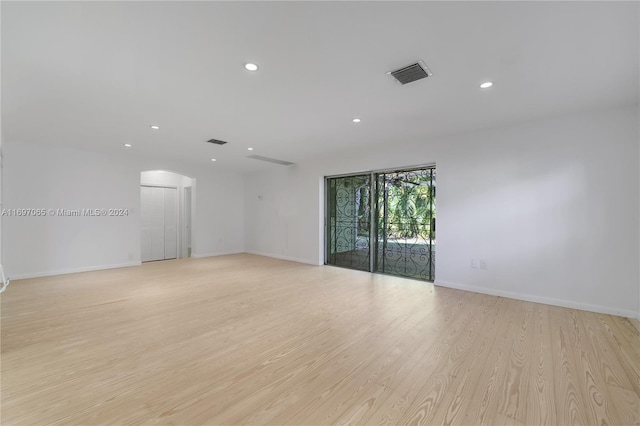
(187, 213)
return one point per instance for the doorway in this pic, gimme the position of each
(383, 222)
(166, 200)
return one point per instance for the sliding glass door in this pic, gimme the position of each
(383, 222)
(349, 222)
(406, 223)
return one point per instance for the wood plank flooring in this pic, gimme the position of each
(245, 339)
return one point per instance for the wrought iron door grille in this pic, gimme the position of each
(349, 222)
(406, 224)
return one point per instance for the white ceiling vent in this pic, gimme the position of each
(411, 73)
(270, 160)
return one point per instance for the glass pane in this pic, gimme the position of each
(349, 221)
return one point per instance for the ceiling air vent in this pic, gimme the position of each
(412, 73)
(216, 141)
(270, 160)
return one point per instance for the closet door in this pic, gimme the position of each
(146, 223)
(158, 211)
(170, 223)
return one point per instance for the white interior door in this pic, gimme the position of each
(158, 211)
(170, 223)
(145, 220)
(187, 220)
(152, 218)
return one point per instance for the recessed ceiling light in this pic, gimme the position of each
(251, 67)
(356, 120)
(250, 149)
(213, 159)
(154, 127)
(127, 145)
(486, 85)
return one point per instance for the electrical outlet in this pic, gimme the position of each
(475, 263)
(483, 264)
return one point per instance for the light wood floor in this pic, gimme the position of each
(249, 340)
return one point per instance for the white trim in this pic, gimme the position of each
(151, 185)
(74, 270)
(278, 256)
(538, 299)
(214, 254)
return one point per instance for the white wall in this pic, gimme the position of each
(38, 176)
(1, 202)
(1, 138)
(553, 206)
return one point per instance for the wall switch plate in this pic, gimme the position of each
(483, 264)
(475, 263)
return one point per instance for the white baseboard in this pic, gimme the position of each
(214, 254)
(537, 299)
(73, 270)
(278, 256)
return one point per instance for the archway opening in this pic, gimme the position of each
(166, 205)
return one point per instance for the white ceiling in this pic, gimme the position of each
(97, 75)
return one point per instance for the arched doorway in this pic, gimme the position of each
(166, 200)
